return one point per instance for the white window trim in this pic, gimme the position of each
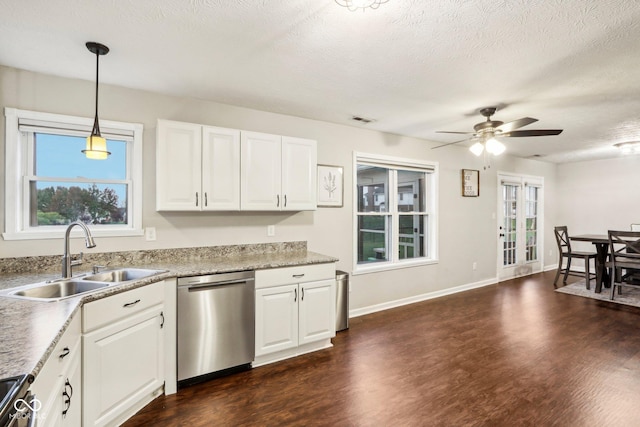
(432, 244)
(16, 162)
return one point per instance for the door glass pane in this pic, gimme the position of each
(531, 204)
(510, 209)
(411, 243)
(373, 189)
(373, 238)
(411, 191)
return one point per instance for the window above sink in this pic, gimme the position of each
(50, 183)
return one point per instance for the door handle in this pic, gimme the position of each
(501, 235)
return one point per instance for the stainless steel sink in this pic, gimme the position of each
(56, 290)
(122, 275)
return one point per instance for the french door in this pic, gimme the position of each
(520, 228)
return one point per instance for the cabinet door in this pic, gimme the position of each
(260, 171)
(299, 173)
(72, 393)
(220, 169)
(178, 166)
(122, 365)
(276, 319)
(317, 311)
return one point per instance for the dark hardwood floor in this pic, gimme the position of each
(515, 353)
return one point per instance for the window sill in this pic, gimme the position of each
(378, 267)
(59, 234)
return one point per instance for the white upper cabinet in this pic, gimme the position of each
(299, 175)
(220, 168)
(200, 168)
(278, 173)
(178, 165)
(197, 167)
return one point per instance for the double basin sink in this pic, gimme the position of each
(66, 288)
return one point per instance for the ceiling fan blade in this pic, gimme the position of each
(539, 132)
(461, 133)
(508, 127)
(451, 143)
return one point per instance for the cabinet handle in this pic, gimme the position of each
(295, 295)
(297, 276)
(68, 384)
(67, 402)
(285, 200)
(196, 198)
(162, 316)
(278, 202)
(206, 202)
(65, 353)
(129, 304)
(302, 296)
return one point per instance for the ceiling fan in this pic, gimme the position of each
(485, 133)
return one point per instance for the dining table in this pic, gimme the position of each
(601, 242)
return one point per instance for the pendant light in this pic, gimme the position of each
(96, 144)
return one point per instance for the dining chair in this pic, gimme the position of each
(624, 259)
(565, 252)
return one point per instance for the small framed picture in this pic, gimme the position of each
(470, 183)
(330, 186)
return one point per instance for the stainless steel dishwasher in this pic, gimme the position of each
(216, 329)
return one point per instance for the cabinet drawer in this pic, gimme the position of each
(108, 310)
(58, 361)
(297, 274)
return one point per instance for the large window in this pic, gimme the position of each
(394, 212)
(50, 183)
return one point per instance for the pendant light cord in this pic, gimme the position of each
(96, 125)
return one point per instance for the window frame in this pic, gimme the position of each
(19, 155)
(430, 214)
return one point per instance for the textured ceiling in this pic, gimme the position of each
(415, 66)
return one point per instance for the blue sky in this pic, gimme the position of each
(61, 157)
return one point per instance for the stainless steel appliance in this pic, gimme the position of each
(18, 407)
(216, 329)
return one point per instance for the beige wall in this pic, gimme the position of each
(467, 227)
(599, 195)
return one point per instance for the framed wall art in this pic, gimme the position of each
(330, 186)
(470, 183)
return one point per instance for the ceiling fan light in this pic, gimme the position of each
(632, 147)
(477, 149)
(495, 147)
(354, 5)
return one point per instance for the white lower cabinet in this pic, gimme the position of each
(58, 385)
(123, 354)
(294, 318)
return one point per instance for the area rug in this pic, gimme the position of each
(630, 295)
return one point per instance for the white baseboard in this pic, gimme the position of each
(423, 297)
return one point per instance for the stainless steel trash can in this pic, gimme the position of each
(342, 300)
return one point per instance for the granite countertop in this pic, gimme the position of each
(31, 329)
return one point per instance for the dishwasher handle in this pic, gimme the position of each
(213, 285)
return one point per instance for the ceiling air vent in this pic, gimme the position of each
(362, 120)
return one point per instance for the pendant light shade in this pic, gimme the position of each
(96, 145)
